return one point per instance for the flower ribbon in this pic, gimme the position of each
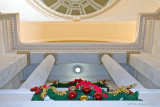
(96, 88)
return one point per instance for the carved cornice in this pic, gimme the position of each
(9, 21)
(143, 18)
(13, 43)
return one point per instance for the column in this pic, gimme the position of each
(40, 74)
(119, 75)
(2, 50)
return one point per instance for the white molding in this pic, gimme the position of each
(9, 30)
(146, 29)
(12, 43)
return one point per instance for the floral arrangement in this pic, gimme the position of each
(83, 90)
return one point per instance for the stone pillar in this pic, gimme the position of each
(40, 74)
(2, 49)
(119, 75)
(156, 40)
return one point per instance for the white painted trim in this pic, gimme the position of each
(12, 43)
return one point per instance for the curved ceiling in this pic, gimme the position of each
(76, 8)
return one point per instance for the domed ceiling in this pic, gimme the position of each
(76, 8)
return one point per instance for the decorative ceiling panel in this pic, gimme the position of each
(74, 9)
(82, 7)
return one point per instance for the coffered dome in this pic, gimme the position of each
(76, 8)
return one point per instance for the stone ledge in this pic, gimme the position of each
(10, 66)
(148, 65)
